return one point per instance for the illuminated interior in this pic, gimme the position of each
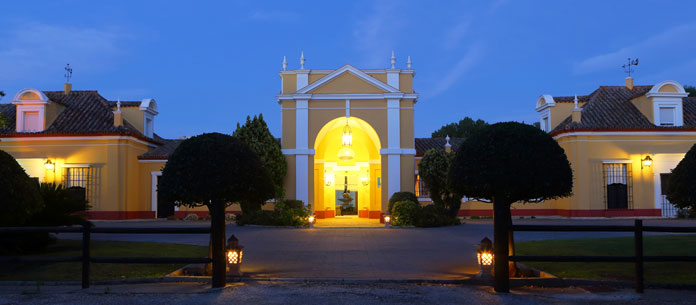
(347, 159)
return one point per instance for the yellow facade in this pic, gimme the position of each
(375, 105)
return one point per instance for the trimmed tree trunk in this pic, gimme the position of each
(512, 266)
(501, 216)
(217, 238)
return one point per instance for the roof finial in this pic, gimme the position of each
(447, 138)
(448, 146)
(408, 62)
(575, 101)
(118, 105)
(285, 63)
(393, 60)
(302, 60)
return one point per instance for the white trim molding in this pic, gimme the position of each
(626, 133)
(153, 192)
(76, 138)
(304, 151)
(397, 151)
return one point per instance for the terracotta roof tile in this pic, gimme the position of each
(85, 113)
(163, 152)
(611, 108)
(424, 144)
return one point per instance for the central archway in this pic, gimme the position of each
(359, 175)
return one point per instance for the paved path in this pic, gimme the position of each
(316, 293)
(366, 253)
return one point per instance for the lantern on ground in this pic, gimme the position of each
(311, 220)
(234, 257)
(387, 220)
(485, 257)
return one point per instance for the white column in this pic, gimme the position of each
(302, 156)
(394, 146)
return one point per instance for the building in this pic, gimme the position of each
(79, 138)
(348, 130)
(622, 143)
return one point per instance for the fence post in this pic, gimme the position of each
(86, 227)
(638, 238)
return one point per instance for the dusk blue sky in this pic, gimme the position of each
(210, 64)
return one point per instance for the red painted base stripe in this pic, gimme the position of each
(567, 213)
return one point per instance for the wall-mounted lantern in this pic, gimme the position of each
(234, 257)
(485, 257)
(646, 162)
(49, 165)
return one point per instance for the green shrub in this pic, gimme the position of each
(434, 216)
(19, 194)
(475, 217)
(285, 213)
(401, 196)
(404, 213)
(62, 207)
(686, 213)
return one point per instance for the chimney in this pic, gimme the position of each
(576, 114)
(118, 116)
(448, 146)
(67, 88)
(629, 83)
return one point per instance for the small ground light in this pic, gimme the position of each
(387, 220)
(311, 220)
(234, 256)
(485, 257)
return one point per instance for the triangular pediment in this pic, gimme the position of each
(346, 80)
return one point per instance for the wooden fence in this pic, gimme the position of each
(87, 259)
(637, 258)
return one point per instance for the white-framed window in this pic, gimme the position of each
(83, 176)
(667, 116)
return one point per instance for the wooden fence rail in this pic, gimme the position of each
(638, 257)
(87, 259)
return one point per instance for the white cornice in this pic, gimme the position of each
(369, 71)
(348, 69)
(397, 151)
(347, 96)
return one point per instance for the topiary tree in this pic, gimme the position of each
(434, 170)
(680, 189)
(506, 163)
(214, 170)
(19, 194)
(255, 134)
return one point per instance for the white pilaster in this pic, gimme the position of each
(302, 79)
(394, 146)
(301, 144)
(347, 108)
(393, 78)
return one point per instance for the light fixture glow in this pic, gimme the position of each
(328, 178)
(347, 138)
(646, 162)
(49, 165)
(346, 154)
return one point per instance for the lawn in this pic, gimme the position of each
(679, 272)
(72, 271)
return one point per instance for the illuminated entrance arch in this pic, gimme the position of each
(347, 161)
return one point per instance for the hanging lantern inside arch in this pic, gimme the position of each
(346, 153)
